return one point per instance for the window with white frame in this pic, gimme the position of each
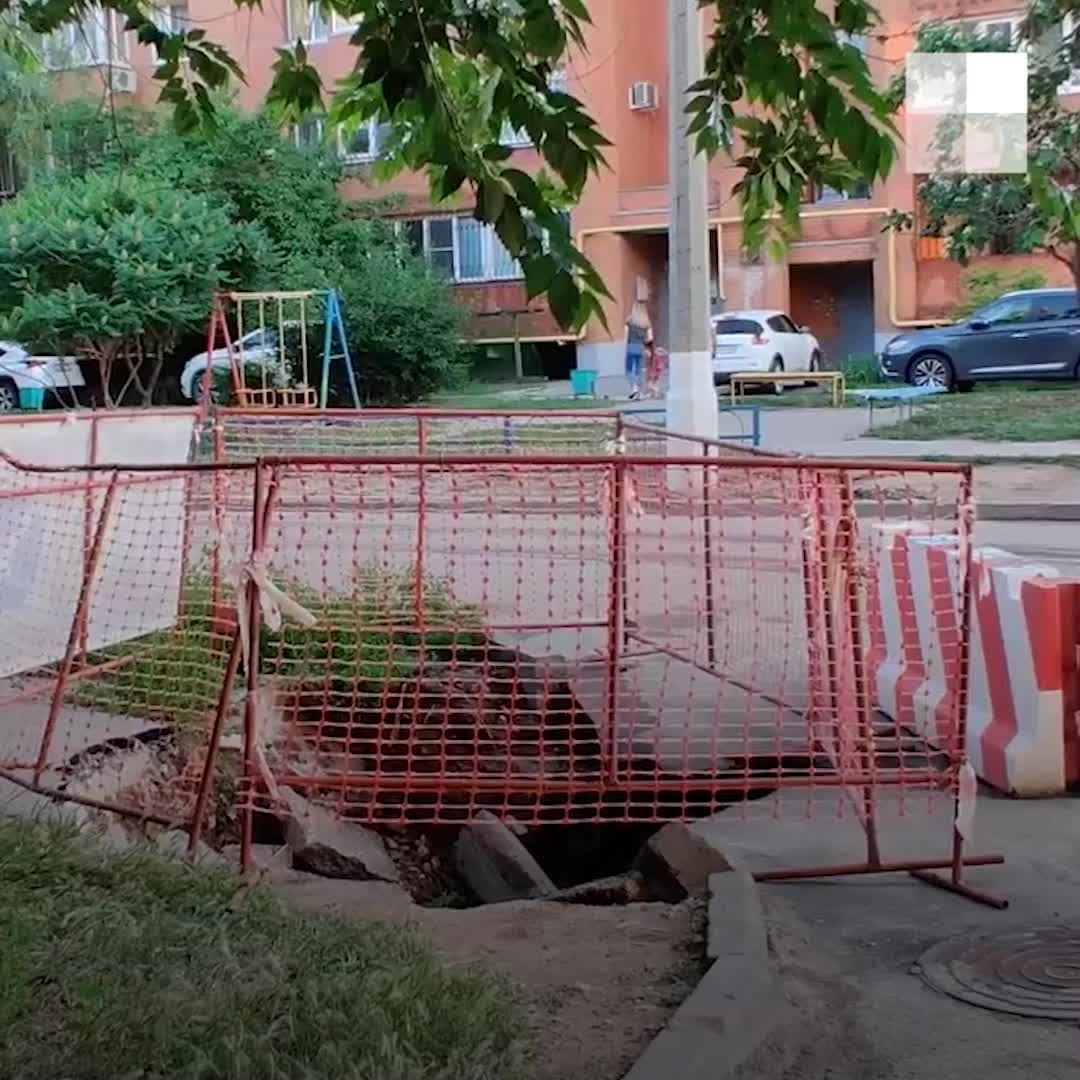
(519, 137)
(309, 132)
(822, 193)
(1060, 37)
(1002, 28)
(312, 23)
(97, 38)
(857, 41)
(462, 248)
(172, 18)
(366, 143)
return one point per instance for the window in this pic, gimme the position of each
(822, 193)
(8, 179)
(856, 41)
(519, 137)
(1011, 309)
(1005, 29)
(365, 143)
(312, 23)
(97, 38)
(172, 18)
(1052, 306)
(413, 231)
(340, 24)
(307, 22)
(462, 248)
(736, 326)
(309, 132)
(782, 325)
(439, 244)
(1056, 38)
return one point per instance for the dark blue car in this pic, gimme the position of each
(1033, 334)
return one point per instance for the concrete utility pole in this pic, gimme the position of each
(691, 399)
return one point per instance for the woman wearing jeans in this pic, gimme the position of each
(639, 340)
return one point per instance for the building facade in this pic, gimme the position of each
(852, 282)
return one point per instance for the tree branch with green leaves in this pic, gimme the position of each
(785, 90)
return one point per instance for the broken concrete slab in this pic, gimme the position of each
(496, 865)
(676, 862)
(329, 847)
(618, 890)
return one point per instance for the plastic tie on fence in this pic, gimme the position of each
(274, 603)
(967, 791)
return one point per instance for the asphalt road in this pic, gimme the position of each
(1054, 542)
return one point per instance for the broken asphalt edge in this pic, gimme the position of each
(736, 1004)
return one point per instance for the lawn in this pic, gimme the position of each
(176, 674)
(1021, 412)
(501, 396)
(131, 966)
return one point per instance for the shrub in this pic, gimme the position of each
(983, 287)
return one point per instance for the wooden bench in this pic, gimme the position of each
(302, 397)
(740, 380)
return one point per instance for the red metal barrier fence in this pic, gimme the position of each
(609, 634)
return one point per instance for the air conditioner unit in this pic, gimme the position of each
(122, 80)
(643, 96)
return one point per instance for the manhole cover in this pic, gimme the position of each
(1033, 973)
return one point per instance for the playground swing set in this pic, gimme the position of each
(273, 353)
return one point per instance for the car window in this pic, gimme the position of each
(776, 322)
(1011, 309)
(1054, 306)
(253, 340)
(736, 326)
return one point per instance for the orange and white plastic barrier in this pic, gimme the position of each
(1021, 727)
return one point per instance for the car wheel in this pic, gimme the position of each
(777, 366)
(9, 396)
(931, 369)
(197, 390)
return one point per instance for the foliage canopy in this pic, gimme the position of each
(785, 88)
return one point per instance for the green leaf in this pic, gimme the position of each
(564, 297)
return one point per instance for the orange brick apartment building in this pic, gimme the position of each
(852, 283)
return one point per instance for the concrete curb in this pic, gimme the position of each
(735, 1005)
(1027, 511)
(984, 511)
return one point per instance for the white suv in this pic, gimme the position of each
(19, 370)
(761, 341)
(260, 347)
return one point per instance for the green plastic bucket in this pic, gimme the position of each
(583, 382)
(32, 398)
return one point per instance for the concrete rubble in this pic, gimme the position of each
(676, 862)
(324, 845)
(496, 865)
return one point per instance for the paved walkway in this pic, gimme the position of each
(842, 433)
(846, 946)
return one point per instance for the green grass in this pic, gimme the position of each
(132, 966)
(480, 395)
(177, 673)
(1020, 412)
